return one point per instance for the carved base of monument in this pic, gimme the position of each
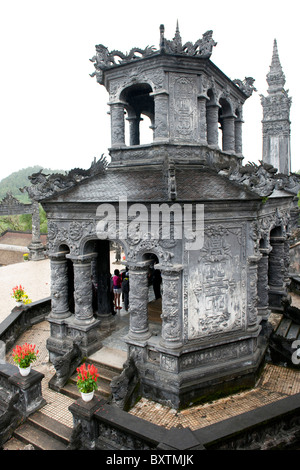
(106, 321)
(198, 373)
(263, 313)
(65, 331)
(276, 299)
(36, 251)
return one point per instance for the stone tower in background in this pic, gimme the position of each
(276, 118)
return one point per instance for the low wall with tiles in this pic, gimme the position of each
(20, 319)
(103, 426)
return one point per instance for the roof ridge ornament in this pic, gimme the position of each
(246, 85)
(47, 185)
(104, 59)
(201, 48)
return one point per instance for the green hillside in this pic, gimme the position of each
(11, 184)
(19, 179)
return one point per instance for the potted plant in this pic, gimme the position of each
(26, 257)
(18, 294)
(87, 381)
(23, 356)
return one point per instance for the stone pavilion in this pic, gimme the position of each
(218, 230)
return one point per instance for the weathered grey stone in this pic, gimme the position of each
(216, 295)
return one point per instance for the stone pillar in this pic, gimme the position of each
(287, 259)
(212, 117)
(134, 130)
(277, 272)
(138, 327)
(85, 424)
(252, 296)
(238, 136)
(117, 124)
(36, 247)
(30, 391)
(228, 140)
(202, 119)
(161, 116)
(171, 331)
(263, 285)
(83, 294)
(59, 286)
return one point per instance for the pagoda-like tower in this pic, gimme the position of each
(184, 205)
(276, 118)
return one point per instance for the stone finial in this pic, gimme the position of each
(275, 77)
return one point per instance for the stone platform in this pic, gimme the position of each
(275, 383)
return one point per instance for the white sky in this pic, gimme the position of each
(52, 113)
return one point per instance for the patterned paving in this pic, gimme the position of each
(275, 383)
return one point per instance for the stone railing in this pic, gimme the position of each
(19, 397)
(103, 426)
(20, 319)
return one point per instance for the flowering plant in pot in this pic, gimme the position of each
(87, 380)
(18, 293)
(24, 356)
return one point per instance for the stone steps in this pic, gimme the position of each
(288, 329)
(43, 433)
(109, 363)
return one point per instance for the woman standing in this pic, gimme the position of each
(117, 282)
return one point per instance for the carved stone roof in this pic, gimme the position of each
(155, 184)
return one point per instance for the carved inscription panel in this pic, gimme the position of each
(183, 107)
(216, 288)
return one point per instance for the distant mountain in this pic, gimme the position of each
(19, 179)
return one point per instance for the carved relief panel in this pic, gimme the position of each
(183, 107)
(216, 284)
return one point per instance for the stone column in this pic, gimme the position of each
(117, 124)
(59, 286)
(228, 140)
(202, 119)
(161, 115)
(252, 300)
(263, 285)
(134, 130)
(36, 247)
(238, 136)
(212, 117)
(171, 331)
(277, 272)
(83, 293)
(138, 327)
(287, 259)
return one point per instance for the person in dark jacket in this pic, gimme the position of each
(125, 290)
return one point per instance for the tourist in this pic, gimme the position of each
(125, 290)
(117, 282)
(111, 296)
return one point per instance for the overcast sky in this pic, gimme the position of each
(54, 114)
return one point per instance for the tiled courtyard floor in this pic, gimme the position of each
(275, 383)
